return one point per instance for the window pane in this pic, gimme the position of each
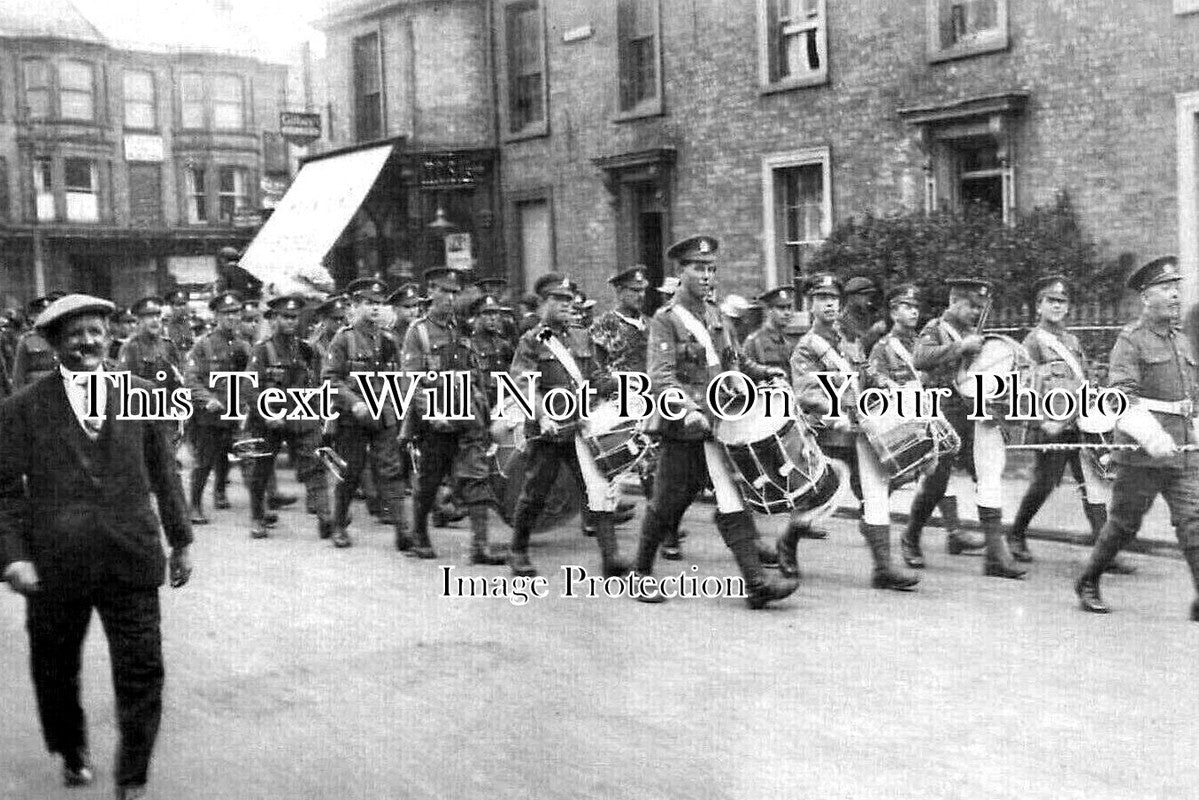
(227, 116)
(139, 86)
(526, 104)
(233, 196)
(75, 75)
(191, 91)
(368, 99)
(802, 197)
(197, 202)
(227, 88)
(43, 185)
(139, 100)
(79, 175)
(37, 75)
(77, 105)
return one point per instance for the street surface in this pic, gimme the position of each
(298, 671)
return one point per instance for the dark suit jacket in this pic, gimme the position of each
(79, 509)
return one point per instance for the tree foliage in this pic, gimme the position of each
(926, 249)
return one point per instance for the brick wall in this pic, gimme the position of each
(1100, 120)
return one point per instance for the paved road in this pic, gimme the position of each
(298, 671)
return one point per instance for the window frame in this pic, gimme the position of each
(985, 43)
(43, 167)
(380, 106)
(93, 189)
(190, 193)
(649, 106)
(214, 101)
(539, 127)
(125, 99)
(771, 164)
(48, 88)
(184, 103)
(237, 171)
(766, 45)
(514, 201)
(91, 91)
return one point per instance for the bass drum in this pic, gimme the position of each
(510, 454)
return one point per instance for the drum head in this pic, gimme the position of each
(998, 357)
(770, 412)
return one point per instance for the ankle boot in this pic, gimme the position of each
(649, 541)
(421, 546)
(342, 497)
(219, 499)
(614, 565)
(885, 576)
(997, 563)
(785, 548)
(1087, 586)
(767, 554)
(518, 550)
(1097, 517)
(198, 516)
(737, 530)
(480, 553)
(1018, 544)
(1192, 557)
(957, 541)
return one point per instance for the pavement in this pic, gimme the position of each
(295, 670)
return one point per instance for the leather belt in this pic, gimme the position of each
(1180, 408)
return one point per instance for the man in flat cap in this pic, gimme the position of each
(1153, 364)
(563, 355)
(284, 361)
(34, 356)
(439, 343)
(689, 345)
(220, 350)
(859, 319)
(947, 345)
(827, 348)
(363, 346)
(78, 532)
(1059, 362)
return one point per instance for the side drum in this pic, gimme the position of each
(616, 442)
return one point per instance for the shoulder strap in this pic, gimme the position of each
(697, 329)
(949, 330)
(898, 348)
(562, 354)
(1061, 351)
(272, 354)
(830, 358)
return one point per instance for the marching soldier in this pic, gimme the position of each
(436, 343)
(860, 319)
(285, 361)
(945, 346)
(689, 344)
(492, 350)
(563, 356)
(332, 315)
(826, 348)
(362, 346)
(406, 300)
(1153, 364)
(621, 334)
(770, 345)
(891, 357)
(178, 321)
(1058, 356)
(120, 326)
(148, 354)
(34, 356)
(219, 350)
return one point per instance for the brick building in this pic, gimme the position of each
(125, 167)
(625, 125)
(415, 76)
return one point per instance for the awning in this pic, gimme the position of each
(318, 205)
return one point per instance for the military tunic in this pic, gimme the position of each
(770, 346)
(490, 352)
(147, 355)
(179, 331)
(212, 437)
(620, 342)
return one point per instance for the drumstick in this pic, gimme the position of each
(1051, 446)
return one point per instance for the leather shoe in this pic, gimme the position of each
(911, 552)
(1087, 590)
(520, 565)
(1000, 569)
(671, 552)
(341, 538)
(421, 551)
(132, 792)
(258, 529)
(199, 517)
(958, 542)
(1120, 567)
(77, 770)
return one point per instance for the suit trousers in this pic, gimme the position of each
(131, 619)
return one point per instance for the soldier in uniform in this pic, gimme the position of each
(621, 334)
(285, 361)
(34, 356)
(1153, 364)
(438, 343)
(332, 315)
(179, 322)
(148, 354)
(220, 350)
(891, 357)
(769, 344)
(119, 329)
(491, 349)
(1056, 351)
(947, 345)
(689, 344)
(860, 319)
(563, 356)
(827, 348)
(362, 346)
